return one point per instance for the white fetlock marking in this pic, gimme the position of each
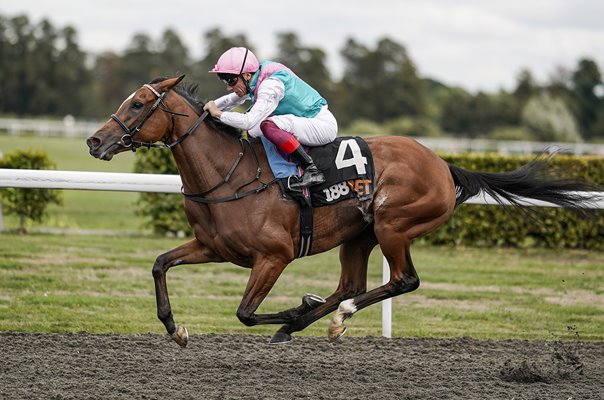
(345, 310)
(348, 307)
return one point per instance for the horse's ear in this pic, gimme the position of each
(180, 78)
(170, 83)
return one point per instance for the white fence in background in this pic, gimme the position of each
(106, 181)
(461, 145)
(67, 127)
(70, 127)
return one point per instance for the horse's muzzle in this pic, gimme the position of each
(93, 142)
(97, 150)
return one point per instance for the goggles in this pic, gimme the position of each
(229, 79)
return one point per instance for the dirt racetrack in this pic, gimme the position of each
(87, 366)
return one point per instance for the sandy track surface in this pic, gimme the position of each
(87, 366)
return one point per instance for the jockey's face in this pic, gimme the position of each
(239, 86)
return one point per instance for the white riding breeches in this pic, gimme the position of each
(320, 130)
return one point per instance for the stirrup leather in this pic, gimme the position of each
(311, 176)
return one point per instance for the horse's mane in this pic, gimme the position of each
(189, 92)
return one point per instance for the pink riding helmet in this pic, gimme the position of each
(236, 60)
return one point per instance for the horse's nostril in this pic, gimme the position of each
(93, 142)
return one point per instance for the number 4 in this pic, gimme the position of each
(357, 158)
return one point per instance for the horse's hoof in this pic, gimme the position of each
(280, 338)
(312, 300)
(335, 333)
(181, 336)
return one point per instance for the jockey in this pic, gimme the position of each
(285, 110)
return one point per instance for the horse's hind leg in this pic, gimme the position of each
(354, 256)
(192, 252)
(404, 210)
(403, 279)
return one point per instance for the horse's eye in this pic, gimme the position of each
(137, 105)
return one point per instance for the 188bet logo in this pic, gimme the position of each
(336, 191)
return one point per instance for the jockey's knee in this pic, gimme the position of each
(267, 124)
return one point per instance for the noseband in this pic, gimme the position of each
(127, 140)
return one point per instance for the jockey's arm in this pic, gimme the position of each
(230, 101)
(270, 93)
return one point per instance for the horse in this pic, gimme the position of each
(242, 217)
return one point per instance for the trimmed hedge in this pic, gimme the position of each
(478, 225)
(470, 225)
(164, 213)
(28, 204)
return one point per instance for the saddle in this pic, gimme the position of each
(347, 164)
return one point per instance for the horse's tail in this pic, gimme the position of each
(528, 181)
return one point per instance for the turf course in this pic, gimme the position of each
(103, 283)
(63, 283)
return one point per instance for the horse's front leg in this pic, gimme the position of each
(265, 273)
(192, 252)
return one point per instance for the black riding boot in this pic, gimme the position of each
(312, 175)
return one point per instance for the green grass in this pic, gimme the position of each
(62, 283)
(65, 283)
(70, 154)
(112, 210)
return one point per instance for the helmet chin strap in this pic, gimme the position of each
(245, 81)
(243, 63)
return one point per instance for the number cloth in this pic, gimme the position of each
(346, 162)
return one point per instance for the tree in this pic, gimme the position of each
(18, 40)
(108, 83)
(597, 128)
(550, 119)
(116, 76)
(139, 64)
(380, 84)
(307, 62)
(73, 77)
(173, 54)
(46, 69)
(28, 203)
(585, 79)
(560, 82)
(525, 86)
(43, 62)
(490, 111)
(464, 114)
(457, 114)
(5, 63)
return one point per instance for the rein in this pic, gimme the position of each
(201, 197)
(127, 141)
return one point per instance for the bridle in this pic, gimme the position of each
(127, 140)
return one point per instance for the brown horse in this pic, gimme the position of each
(244, 219)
